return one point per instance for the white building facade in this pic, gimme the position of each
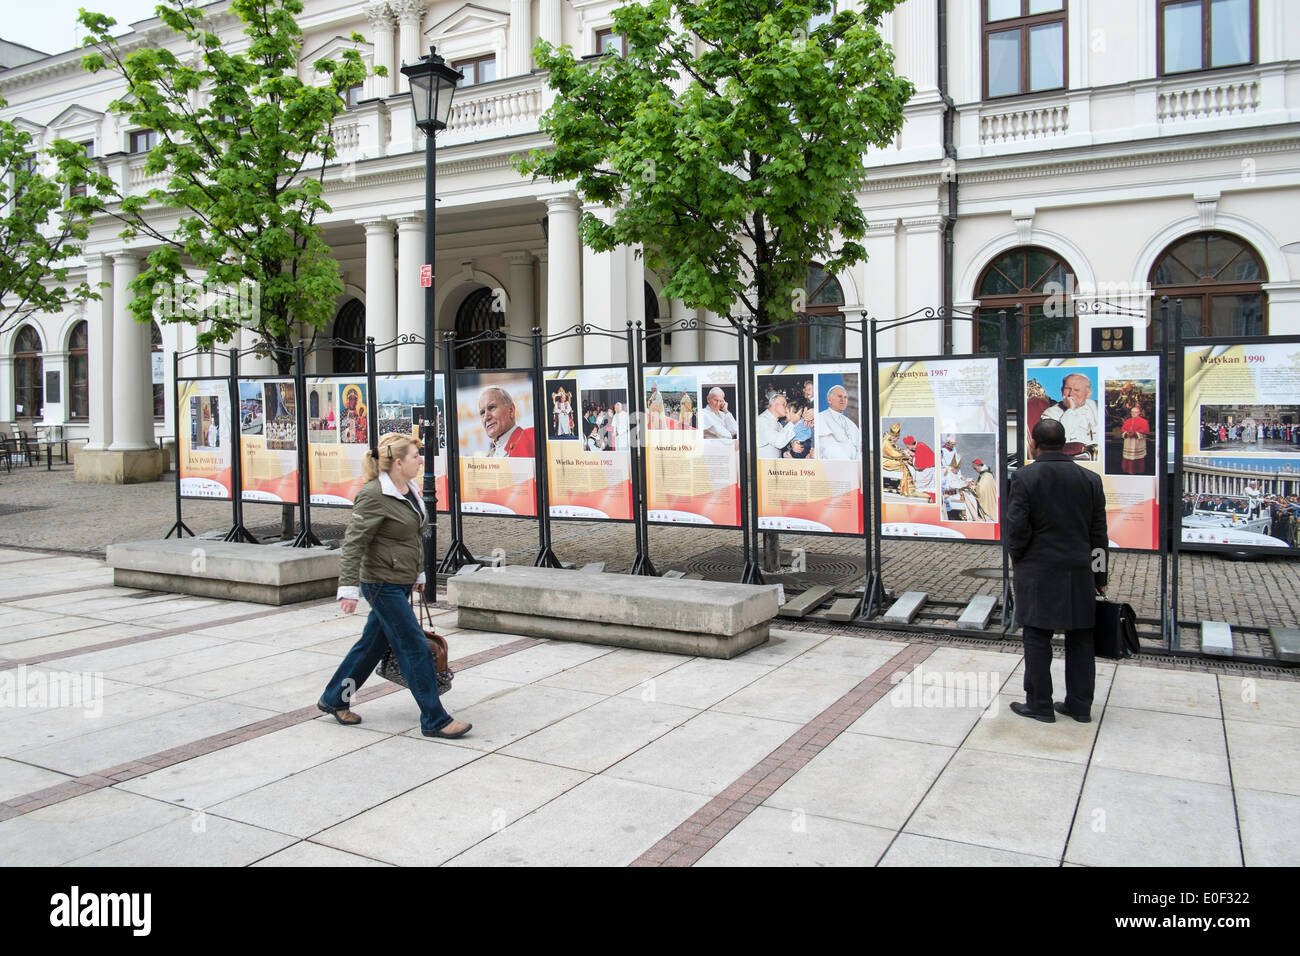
(1099, 153)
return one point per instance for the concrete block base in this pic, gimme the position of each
(226, 569)
(119, 467)
(616, 635)
(699, 618)
(225, 590)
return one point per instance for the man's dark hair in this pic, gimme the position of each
(1049, 435)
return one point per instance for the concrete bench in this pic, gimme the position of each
(262, 574)
(700, 618)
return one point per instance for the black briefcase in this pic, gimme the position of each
(1115, 632)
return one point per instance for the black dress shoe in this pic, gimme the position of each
(1060, 709)
(1024, 711)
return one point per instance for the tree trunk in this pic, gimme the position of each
(284, 366)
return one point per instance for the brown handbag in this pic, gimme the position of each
(388, 668)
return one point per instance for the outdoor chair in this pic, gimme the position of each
(6, 455)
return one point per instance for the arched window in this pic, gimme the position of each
(823, 336)
(1220, 280)
(1037, 280)
(79, 373)
(29, 374)
(350, 327)
(159, 373)
(654, 344)
(475, 316)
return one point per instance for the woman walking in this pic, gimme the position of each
(382, 558)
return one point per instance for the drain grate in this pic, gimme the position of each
(724, 564)
(19, 509)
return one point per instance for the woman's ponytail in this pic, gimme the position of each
(392, 447)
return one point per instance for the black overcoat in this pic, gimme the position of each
(1055, 523)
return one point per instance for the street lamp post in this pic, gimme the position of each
(433, 84)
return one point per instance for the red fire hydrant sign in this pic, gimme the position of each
(426, 275)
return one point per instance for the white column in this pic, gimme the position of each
(99, 352)
(132, 365)
(521, 313)
(854, 344)
(520, 40)
(6, 389)
(921, 46)
(410, 294)
(686, 342)
(635, 310)
(880, 276)
(55, 409)
(564, 290)
(381, 290)
(381, 28)
(254, 364)
(543, 286)
(604, 295)
(549, 26)
(409, 14)
(924, 286)
(718, 344)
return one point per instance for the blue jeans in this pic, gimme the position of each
(391, 623)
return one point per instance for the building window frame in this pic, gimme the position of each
(795, 342)
(1207, 38)
(1025, 23)
(617, 43)
(29, 374)
(1029, 295)
(141, 141)
(79, 372)
(1206, 288)
(472, 67)
(159, 388)
(353, 95)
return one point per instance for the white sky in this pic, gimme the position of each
(51, 25)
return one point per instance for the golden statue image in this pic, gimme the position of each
(894, 462)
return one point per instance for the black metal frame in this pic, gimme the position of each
(1180, 346)
(550, 370)
(458, 555)
(335, 377)
(874, 596)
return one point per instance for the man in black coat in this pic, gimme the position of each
(1055, 523)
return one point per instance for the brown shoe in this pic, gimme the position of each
(341, 714)
(457, 728)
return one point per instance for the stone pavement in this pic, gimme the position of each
(48, 510)
(143, 728)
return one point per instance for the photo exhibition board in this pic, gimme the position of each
(1110, 407)
(1241, 446)
(496, 426)
(809, 444)
(588, 432)
(692, 450)
(339, 418)
(940, 452)
(268, 440)
(400, 406)
(205, 455)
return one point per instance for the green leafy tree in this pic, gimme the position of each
(38, 233)
(243, 143)
(728, 141)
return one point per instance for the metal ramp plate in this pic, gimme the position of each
(808, 601)
(1216, 638)
(1286, 643)
(906, 607)
(674, 574)
(978, 612)
(596, 567)
(468, 568)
